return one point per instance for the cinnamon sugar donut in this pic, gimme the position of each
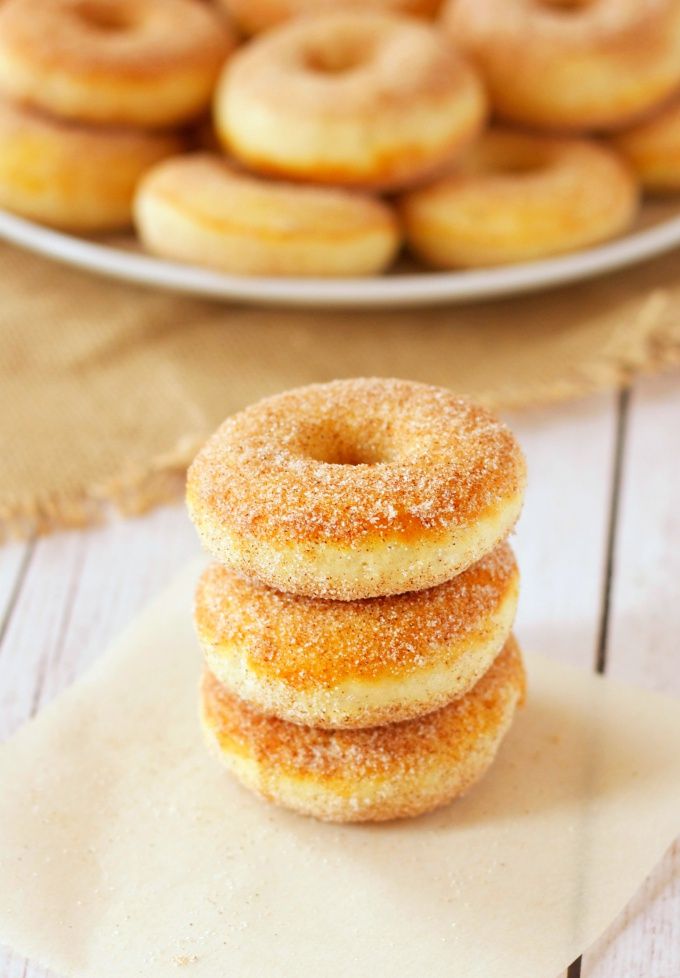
(356, 663)
(516, 197)
(149, 63)
(374, 774)
(71, 176)
(356, 488)
(200, 209)
(571, 64)
(349, 98)
(652, 148)
(253, 16)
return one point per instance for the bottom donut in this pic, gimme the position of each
(376, 773)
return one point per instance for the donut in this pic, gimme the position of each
(253, 16)
(356, 488)
(355, 663)
(652, 148)
(516, 198)
(148, 63)
(571, 64)
(348, 98)
(200, 209)
(71, 176)
(374, 774)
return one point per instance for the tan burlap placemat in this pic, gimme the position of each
(107, 389)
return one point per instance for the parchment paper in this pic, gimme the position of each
(125, 850)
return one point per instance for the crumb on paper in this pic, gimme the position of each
(182, 960)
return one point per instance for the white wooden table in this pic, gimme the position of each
(599, 546)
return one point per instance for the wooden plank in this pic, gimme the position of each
(14, 561)
(14, 558)
(79, 591)
(122, 570)
(562, 535)
(643, 649)
(35, 629)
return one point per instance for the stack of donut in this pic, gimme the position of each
(478, 132)
(356, 626)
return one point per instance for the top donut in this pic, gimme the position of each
(356, 488)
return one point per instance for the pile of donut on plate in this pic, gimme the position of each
(317, 137)
(356, 626)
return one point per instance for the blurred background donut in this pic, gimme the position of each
(519, 197)
(354, 99)
(127, 62)
(571, 64)
(201, 209)
(71, 176)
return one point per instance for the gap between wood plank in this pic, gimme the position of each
(600, 665)
(46, 661)
(614, 508)
(16, 589)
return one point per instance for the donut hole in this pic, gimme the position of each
(565, 6)
(511, 157)
(342, 446)
(515, 167)
(347, 454)
(338, 57)
(107, 18)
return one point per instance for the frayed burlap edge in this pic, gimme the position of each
(130, 493)
(140, 488)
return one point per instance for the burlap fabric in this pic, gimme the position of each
(107, 389)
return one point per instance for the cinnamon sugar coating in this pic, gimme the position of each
(355, 663)
(355, 465)
(375, 773)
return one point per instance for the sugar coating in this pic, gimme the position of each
(353, 460)
(444, 737)
(310, 642)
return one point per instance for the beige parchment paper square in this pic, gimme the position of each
(125, 850)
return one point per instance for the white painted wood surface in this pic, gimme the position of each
(599, 547)
(644, 648)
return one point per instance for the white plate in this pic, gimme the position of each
(657, 232)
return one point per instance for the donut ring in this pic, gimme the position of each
(516, 198)
(375, 774)
(201, 210)
(253, 16)
(71, 176)
(150, 63)
(352, 99)
(579, 65)
(653, 150)
(356, 488)
(356, 663)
